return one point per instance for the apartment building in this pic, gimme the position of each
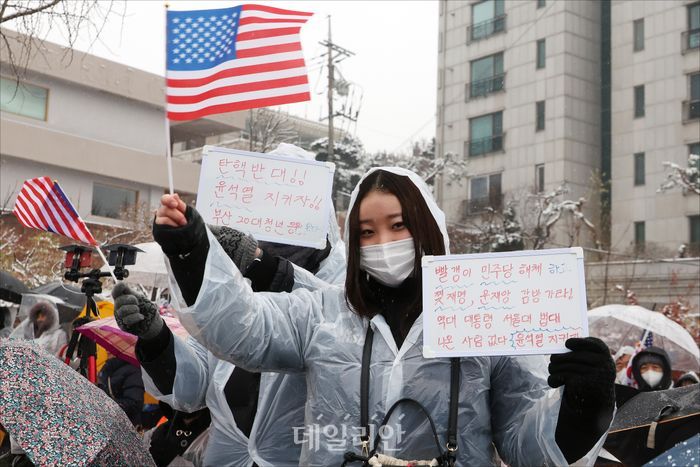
(655, 110)
(539, 93)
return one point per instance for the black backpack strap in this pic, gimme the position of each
(455, 367)
(364, 389)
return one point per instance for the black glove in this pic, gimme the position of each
(588, 376)
(136, 314)
(238, 246)
(181, 240)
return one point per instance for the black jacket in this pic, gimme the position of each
(122, 382)
(661, 354)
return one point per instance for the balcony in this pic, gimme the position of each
(477, 147)
(690, 40)
(478, 205)
(484, 87)
(485, 29)
(691, 110)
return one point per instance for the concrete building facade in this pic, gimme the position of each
(539, 93)
(655, 109)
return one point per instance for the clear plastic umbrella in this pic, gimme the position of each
(619, 325)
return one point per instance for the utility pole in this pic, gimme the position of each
(340, 54)
(330, 92)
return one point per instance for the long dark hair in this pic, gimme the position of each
(427, 239)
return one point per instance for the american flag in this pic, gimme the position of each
(232, 59)
(41, 204)
(648, 337)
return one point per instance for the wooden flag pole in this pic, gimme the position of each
(168, 149)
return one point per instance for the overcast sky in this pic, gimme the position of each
(394, 66)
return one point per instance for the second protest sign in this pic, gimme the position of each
(514, 303)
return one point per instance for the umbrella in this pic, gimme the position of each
(149, 269)
(619, 325)
(119, 343)
(60, 418)
(652, 422)
(70, 295)
(11, 288)
(684, 453)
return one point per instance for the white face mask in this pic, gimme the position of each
(652, 377)
(389, 263)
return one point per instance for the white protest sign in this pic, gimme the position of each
(514, 303)
(274, 198)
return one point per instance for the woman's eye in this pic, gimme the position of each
(398, 226)
(365, 233)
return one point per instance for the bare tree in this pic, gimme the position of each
(33, 19)
(268, 128)
(685, 178)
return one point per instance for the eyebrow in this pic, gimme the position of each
(390, 216)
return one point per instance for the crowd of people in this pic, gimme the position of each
(303, 356)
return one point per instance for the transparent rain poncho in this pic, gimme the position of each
(200, 379)
(505, 401)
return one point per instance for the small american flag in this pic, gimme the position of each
(41, 204)
(232, 59)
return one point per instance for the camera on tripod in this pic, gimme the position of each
(79, 257)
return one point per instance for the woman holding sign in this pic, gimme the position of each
(370, 390)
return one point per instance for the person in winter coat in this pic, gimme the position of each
(122, 382)
(687, 379)
(503, 401)
(43, 327)
(651, 369)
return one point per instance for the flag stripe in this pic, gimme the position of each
(45, 184)
(238, 88)
(270, 9)
(258, 19)
(41, 214)
(270, 49)
(240, 97)
(253, 43)
(279, 74)
(259, 34)
(21, 207)
(182, 83)
(236, 106)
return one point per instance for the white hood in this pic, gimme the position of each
(438, 215)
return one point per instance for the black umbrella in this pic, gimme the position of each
(650, 423)
(684, 453)
(70, 294)
(11, 288)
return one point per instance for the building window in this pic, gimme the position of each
(539, 118)
(486, 134)
(23, 99)
(541, 54)
(541, 3)
(694, 237)
(486, 75)
(112, 201)
(691, 39)
(485, 193)
(639, 169)
(638, 101)
(539, 178)
(638, 27)
(694, 149)
(488, 18)
(639, 234)
(692, 107)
